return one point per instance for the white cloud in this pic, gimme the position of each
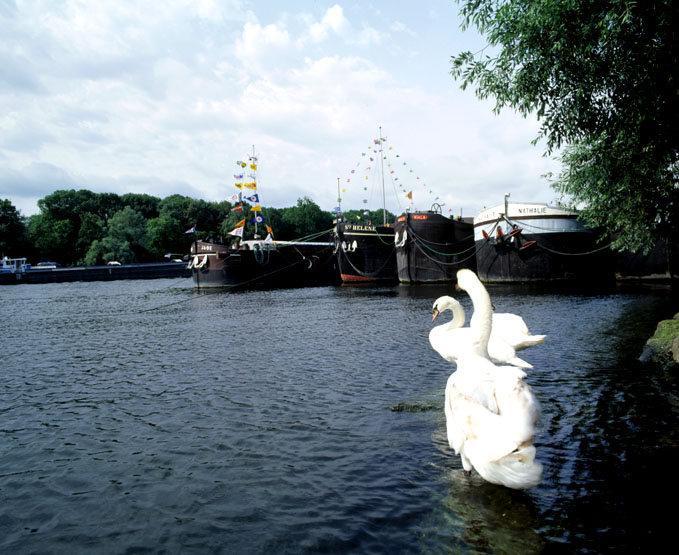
(162, 96)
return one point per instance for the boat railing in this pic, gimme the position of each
(14, 265)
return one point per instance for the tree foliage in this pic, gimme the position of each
(12, 231)
(601, 77)
(86, 228)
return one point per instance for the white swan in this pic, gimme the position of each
(514, 331)
(491, 412)
(451, 340)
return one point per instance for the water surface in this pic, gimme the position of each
(145, 416)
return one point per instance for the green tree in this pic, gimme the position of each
(12, 231)
(125, 240)
(601, 77)
(306, 218)
(147, 205)
(51, 238)
(166, 235)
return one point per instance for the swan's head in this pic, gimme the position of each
(465, 279)
(446, 303)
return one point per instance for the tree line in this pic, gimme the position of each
(83, 228)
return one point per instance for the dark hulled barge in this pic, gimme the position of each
(256, 264)
(521, 241)
(431, 248)
(365, 253)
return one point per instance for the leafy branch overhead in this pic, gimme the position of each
(601, 76)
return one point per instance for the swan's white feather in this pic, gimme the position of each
(491, 413)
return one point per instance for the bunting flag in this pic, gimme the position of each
(241, 223)
(238, 176)
(239, 185)
(237, 198)
(256, 208)
(253, 159)
(253, 198)
(410, 195)
(268, 228)
(237, 208)
(252, 186)
(238, 232)
(268, 239)
(192, 230)
(259, 219)
(241, 164)
(253, 167)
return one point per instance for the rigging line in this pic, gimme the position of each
(454, 263)
(221, 289)
(464, 239)
(366, 274)
(424, 244)
(419, 240)
(575, 253)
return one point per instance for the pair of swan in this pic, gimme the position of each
(509, 334)
(491, 413)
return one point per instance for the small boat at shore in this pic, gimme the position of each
(524, 241)
(431, 247)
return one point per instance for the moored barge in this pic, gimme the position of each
(431, 248)
(523, 241)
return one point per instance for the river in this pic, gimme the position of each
(149, 417)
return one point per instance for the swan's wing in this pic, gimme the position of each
(512, 329)
(451, 344)
(502, 352)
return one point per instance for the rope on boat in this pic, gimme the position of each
(424, 244)
(454, 263)
(221, 289)
(574, 253)
(366, 274)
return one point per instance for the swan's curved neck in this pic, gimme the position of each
(481, 320)
(459, 316)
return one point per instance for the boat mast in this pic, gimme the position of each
(384, 202)
(339, 204)
(252, 161)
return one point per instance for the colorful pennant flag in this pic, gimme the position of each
(259, 219)
(253, 167)
(268, 228)
(252, 185)
(253, 198)
(238, 232)
(192, 230)
(256, 208)
(241, 223)
(237, 208)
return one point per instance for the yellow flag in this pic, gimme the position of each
(252, 185)
(268, 228)
(410, 195)
(257, 208)
(253, 167)
(239, 185)
(241, 223)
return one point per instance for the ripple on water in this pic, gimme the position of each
(260, 421)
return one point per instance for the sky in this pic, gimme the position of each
(164, 96)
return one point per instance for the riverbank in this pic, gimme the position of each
(663, 347)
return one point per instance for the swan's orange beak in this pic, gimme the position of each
(436, 313)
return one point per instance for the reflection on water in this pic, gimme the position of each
(145, 416)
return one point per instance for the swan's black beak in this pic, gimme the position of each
(436, 313)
